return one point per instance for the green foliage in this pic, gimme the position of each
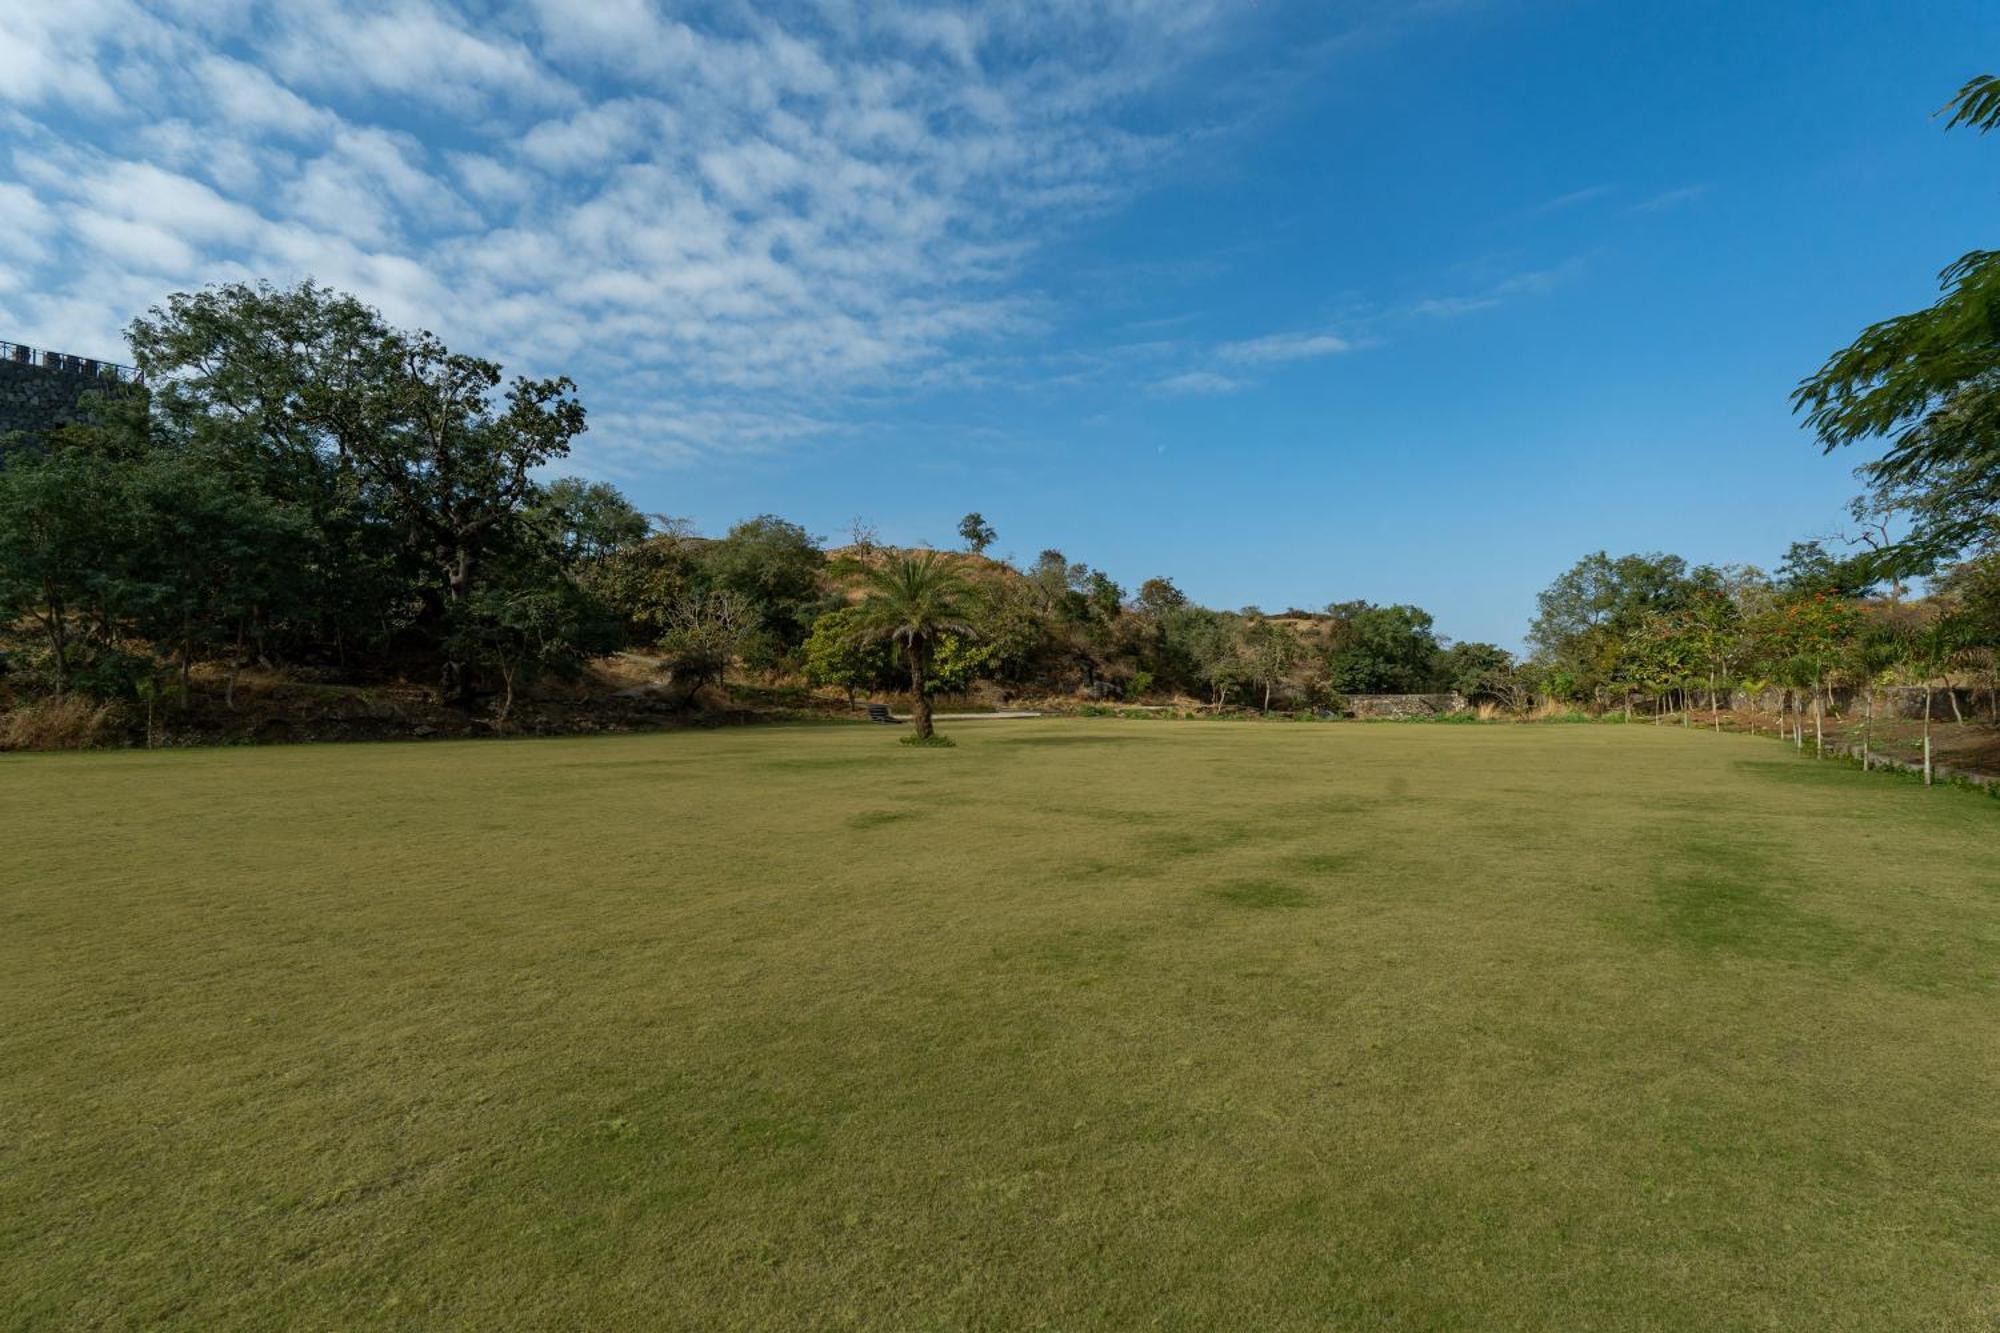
(927, 740)
(976, 533)
(956, 662)
(1976, 104)
(1809, 568)
(643, 582)
(842, 654)
(1381, 649)
(589, 520)
(1159, 597)
(1928, 382)
(1481, 672)
(778, 570)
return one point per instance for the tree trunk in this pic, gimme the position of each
(1927, 735)
(1819, 728)
(1267, 696)
(57, 624)
(1867, 728)
(455, 681)
(507, 698)
(920, 702)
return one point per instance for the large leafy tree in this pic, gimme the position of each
(1381, 649)
(410, 467)
(913, 601)
(778, 570)
(1928, 382)
(457, 466)
(1481, 672)
(1594, 610)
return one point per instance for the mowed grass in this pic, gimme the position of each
(1077, 1025)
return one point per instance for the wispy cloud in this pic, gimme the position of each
(1567, 201)
(1197, 382)
(1278, 347)
(1497, 292)
(1685, 194)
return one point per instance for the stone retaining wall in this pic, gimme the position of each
(1404, 705)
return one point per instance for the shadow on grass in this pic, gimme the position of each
(1727, 896)
(878, 818)
(1261, 894)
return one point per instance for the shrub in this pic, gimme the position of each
(58, 722)
(930, 742)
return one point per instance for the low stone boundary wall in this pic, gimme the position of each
(1890, 701)
(1404, 705)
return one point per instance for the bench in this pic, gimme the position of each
(880, 713)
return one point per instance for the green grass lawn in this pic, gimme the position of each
(1080, 1024)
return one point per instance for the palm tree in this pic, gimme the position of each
(912, 601)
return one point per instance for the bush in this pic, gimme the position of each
(930, 742)
(59, 722)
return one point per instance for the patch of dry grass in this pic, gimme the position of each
(57, 722)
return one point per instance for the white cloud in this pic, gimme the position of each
(720, 223)
(244, 96)
(1285, 347)
(1686, 194)
(48, 53)
(409, 48)
(1566, 201)
(596, 134)
(1197, 382)
(1527, 282)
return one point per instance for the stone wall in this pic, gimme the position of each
(1890, 701)
(35, 398)
(1404, 705)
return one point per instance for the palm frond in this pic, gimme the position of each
(1977, 104)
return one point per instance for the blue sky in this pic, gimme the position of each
(1294, 302)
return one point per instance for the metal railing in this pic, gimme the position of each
(22, 355)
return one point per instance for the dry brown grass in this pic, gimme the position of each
(67, 722)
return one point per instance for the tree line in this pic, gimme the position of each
(307, 488)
